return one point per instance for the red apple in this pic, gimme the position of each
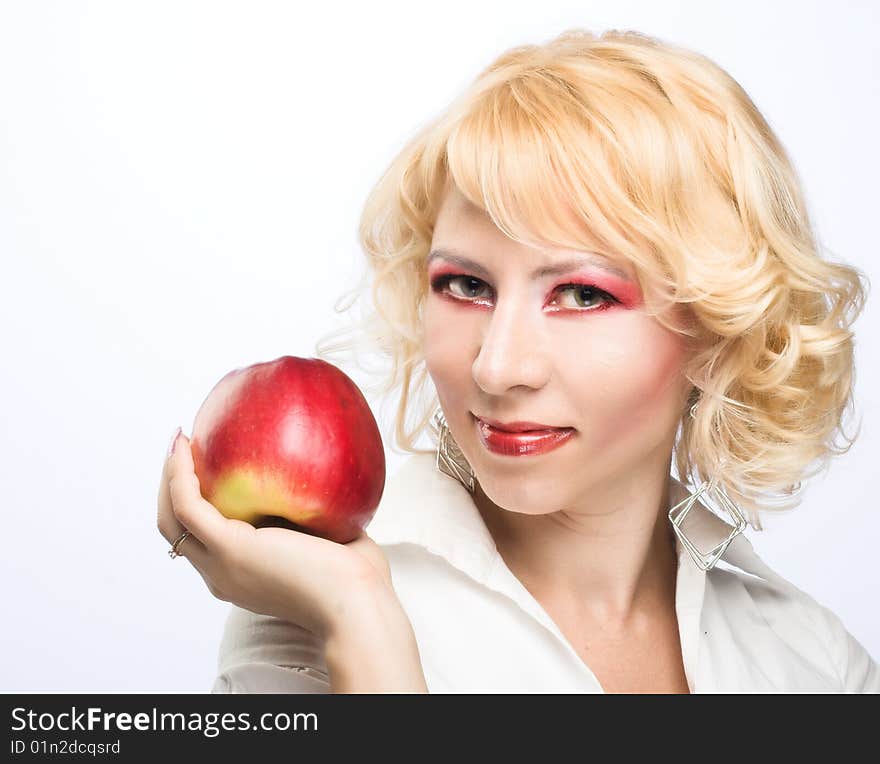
(292, 438)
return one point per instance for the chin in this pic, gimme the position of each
(518, 493)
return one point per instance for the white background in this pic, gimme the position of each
(180, 185)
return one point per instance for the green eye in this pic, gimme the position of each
(471, 284)
(586, 296)
(470, 290)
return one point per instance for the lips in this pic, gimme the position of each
(518, 426)
(524, 442)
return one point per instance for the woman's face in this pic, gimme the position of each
(566, 349)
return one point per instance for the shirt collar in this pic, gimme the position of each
(422, 505)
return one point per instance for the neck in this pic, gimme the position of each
(611, 559)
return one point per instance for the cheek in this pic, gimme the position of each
(447, 348)
(630, 380)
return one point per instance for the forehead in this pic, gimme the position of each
(455, 204)
(458, 212)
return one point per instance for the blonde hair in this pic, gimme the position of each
(653, 153)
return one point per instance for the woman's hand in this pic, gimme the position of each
(313, 582)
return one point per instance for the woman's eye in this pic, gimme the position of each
(586, 297)
(468, 288)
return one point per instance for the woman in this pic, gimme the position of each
(599, 257)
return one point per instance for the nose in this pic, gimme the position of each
(512, 352)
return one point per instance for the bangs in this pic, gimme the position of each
(607, 168)
(549, 172)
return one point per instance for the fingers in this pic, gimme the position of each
(194, 550)
(169, 525)
(201, 559)
(187, 505)
(171, 529)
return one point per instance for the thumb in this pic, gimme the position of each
(372, 552)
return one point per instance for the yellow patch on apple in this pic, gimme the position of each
(249, 495)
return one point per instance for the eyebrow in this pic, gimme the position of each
(564, 266)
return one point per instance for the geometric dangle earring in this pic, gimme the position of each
(450, 460)
(706, 559)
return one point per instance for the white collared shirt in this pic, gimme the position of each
(742, 627)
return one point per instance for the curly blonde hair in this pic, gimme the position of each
(625, 144)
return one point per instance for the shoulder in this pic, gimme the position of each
(755, 599)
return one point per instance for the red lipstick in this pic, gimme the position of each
(520, 438)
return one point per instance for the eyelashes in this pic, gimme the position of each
(442, 283)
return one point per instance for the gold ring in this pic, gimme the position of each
(173, 552)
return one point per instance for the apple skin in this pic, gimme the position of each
(292, 438)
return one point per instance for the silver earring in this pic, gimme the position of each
(450, 459)
(706, 560)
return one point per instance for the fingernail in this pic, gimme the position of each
(173, 442)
